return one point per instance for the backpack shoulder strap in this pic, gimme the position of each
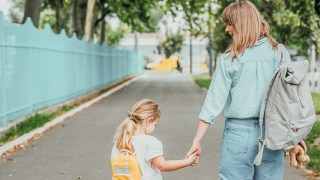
(127, 152)
(258, 158)
(283, 55)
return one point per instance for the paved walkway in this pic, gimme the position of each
(80, 148)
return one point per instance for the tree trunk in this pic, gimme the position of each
(74, 18)
(89, 18)
(215, 61)
(103, 31)
(81, 12)
(58, 6)
(190, 53)
(210, 50)
(136, 41)
(32, 9)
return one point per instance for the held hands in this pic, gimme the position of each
(192, 159)
(196, 147)
(195, 150)
(298, 155)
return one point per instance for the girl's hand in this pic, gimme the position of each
(192, 159)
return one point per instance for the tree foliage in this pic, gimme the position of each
(114, 36)
(16, 12)
(193, 11)
(56, 14)
(292, 22)
(142, 16)
(172, 44)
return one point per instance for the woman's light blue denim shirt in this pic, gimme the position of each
(239, 85)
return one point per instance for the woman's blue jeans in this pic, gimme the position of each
(240, 147)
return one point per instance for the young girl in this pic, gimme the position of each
(133, 134)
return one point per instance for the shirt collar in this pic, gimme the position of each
(260, 41)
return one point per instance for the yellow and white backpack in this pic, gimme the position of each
(125, 166)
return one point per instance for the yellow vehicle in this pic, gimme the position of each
(165, 64)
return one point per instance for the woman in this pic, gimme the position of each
(238, 86)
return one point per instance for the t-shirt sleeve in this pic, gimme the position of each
(114, 152)
(154, 149)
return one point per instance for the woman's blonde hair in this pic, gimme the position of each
(142, 110)
(248, 26)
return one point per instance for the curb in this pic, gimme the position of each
(22, 140)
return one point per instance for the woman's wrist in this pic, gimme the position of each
(196, 141)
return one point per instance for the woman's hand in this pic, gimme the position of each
(303, 145)
(194, 150)
(196, 147)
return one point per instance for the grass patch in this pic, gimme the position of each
(315, 133)
(202, 80)
(31, 123)
(66, 108)
(316, 102)
(313, 153)
(314, 149)
(26, 126)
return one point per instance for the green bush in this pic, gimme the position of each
(316, 102)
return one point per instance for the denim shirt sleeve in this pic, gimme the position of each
(217, 94)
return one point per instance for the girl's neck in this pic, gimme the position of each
(139, 131)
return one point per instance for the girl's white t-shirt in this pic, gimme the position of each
(146, 148)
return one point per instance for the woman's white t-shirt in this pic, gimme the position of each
(146, 148)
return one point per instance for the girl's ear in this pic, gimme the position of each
(148, 121)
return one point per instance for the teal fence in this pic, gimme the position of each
(39, 68)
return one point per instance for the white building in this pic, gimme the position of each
(148, 42)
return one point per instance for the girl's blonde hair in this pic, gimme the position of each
(248, 26)
(142, 110)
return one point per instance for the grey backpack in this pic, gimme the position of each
(287, 110)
